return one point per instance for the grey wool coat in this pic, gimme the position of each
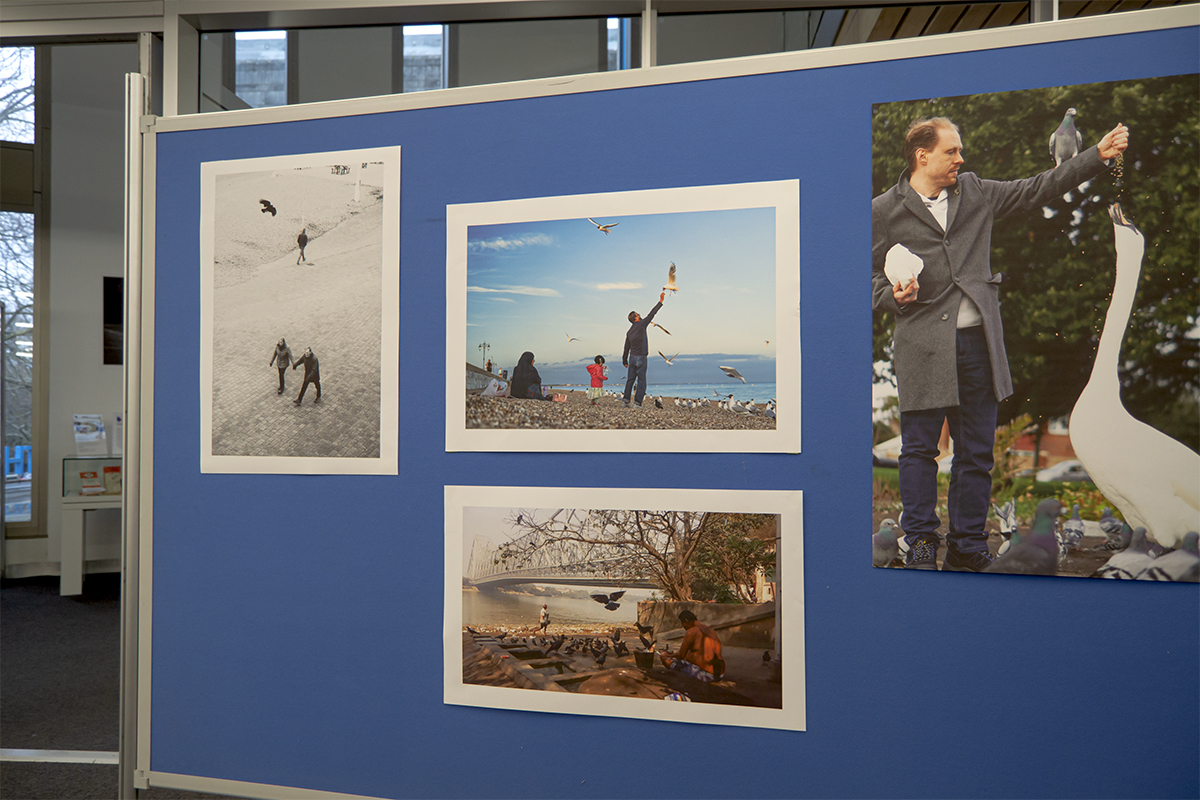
(957, 261)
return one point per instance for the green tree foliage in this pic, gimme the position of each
(736, 548)
(1059, 265)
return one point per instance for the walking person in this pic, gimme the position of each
(302, 240)
(635, 354)
(544, 619)
(281, 359)
(312, 374)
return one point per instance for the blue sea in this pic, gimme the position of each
(758, 392)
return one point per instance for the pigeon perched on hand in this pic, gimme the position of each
(884, 547)
(1066, 141)
(1036, 553)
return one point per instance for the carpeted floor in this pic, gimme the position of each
(59, 688)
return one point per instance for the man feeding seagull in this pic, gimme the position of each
(636, 353)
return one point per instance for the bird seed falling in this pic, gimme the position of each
(1119, 170)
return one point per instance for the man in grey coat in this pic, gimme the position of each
(948, 347)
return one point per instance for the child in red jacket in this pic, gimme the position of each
(599, 374)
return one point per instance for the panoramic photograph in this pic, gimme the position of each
(1059, 436)
(644, 312)
(576, 606)
(299, 302)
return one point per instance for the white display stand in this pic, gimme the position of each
(74, 510)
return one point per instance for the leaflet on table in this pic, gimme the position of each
(89, 435)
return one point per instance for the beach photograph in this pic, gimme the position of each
(1076, 454)
(660, 319)
(592, 609)
(300, 313)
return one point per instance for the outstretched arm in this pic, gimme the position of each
(1114, 142)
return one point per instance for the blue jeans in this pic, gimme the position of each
(637, 371)
(972, 426)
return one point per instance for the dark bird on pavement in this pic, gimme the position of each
(1066, 141)
(600, 659)
(267, 208)
(884, 547)
(766, 658)
(644, 628)
(1037, 552)
(1130, 562)
(616, 637)
(621, 649)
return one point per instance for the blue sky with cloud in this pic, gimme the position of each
(531, 284)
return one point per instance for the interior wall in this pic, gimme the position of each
(343, 62)
(86, 233)
(495, 52)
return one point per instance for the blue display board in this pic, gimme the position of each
(297, 620)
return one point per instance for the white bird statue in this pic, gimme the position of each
(1153, 479)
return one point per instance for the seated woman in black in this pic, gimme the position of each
(526, 383)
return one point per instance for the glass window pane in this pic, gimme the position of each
(424, 64)
(16, 293)
(261, 69)
(16, 94)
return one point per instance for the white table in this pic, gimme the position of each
(74, 507)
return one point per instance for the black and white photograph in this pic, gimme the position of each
(300, 299)
(683, 605)
(664, 320)
(1037, 354)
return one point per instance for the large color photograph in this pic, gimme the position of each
(1036, 343)
(675, 603)
(641, 320)
(300, 313)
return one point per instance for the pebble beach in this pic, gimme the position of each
(578, 413)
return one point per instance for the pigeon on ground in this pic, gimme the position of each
(1120, 540)
(671, 287)
(766, 658)
(1129, 563)
(733, 373)
(616, 637)
(658, 402)
(600, 659)
(1111, 527)
(267, 208)
(1007, 514)
(884, 548)
(1073, 529)
(1066, 141)
(1036, 553)
(1181, 566)
(621, 649)
(603, 228)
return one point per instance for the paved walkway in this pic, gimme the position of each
(331, 304)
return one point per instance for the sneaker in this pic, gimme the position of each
(637, 405)
(625, 403)
(922, 555)
(967, 562)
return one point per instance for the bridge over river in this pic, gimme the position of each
(568, 563)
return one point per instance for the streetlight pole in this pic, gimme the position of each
(484, 346)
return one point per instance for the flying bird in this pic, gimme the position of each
(1037, 553)
(660, 327)
(733, 373)
(884, 548)
(605, 599)
(668, 360)
(267, 208)
(1066, 141)
(570, 338)
(603, 228)
(1148, 475)
(671, 287)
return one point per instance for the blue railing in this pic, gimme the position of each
(18, 460)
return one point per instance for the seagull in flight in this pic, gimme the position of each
(267, 207)
(603, 228)
(570, 338)
(733, 373)
(660, 327)
(671, 287)
(669, 360)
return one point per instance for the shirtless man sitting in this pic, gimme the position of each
(699, 655)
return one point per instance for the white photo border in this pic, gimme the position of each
(783, 195)
(789, 572)
(387, 462)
